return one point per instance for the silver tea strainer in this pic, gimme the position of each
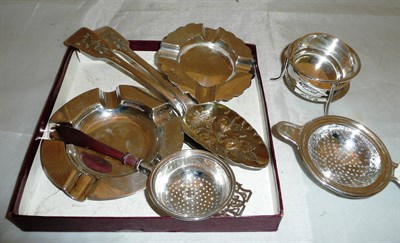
(344, 156)
(318, 67)
(188, 185)
(194, 185)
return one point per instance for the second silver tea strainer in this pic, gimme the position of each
(341, 154)
(194, 185)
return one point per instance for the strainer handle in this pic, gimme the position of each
(395, 178)
(238, 202)
(288, 131)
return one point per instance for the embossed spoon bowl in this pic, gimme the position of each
(214, 126)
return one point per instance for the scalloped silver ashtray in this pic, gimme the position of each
(209, 64)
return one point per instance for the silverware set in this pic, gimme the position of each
(198, 67)
(188, 184)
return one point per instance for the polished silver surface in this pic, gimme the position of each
(320, 67)
(191, 185)
(342, 155)
(128, 119)
(323, 59)
(209, 64)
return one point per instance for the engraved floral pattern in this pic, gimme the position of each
(224, 135)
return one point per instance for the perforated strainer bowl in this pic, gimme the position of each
(191, 185)
(341, 154)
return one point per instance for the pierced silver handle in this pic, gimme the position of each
(238, 202)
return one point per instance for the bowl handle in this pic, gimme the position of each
(238, 202)
(395, 178)
(288, 131)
